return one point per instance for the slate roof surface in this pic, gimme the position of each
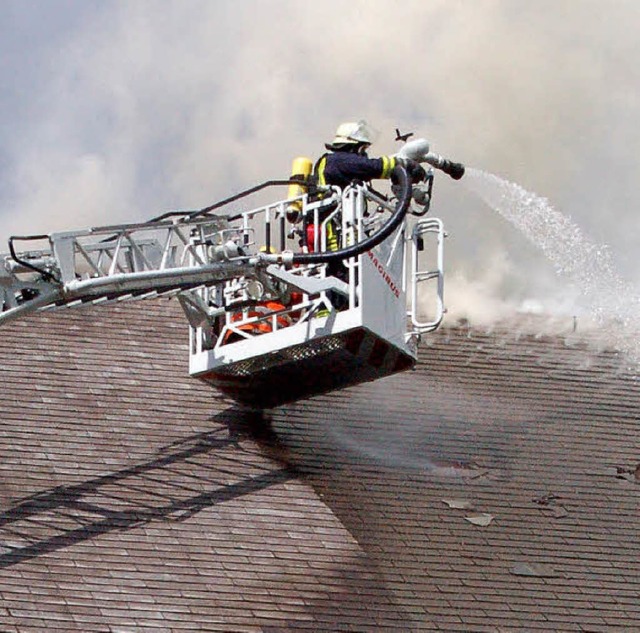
(494, 488)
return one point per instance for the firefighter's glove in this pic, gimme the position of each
(415, 170)
(455, 170)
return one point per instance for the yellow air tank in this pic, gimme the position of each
(301, 169)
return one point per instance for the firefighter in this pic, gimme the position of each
(347, 159)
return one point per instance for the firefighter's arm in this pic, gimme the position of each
(383, 167)
(354, 167)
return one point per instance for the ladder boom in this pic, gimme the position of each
(118, 263)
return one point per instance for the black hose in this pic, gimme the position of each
(401, 178)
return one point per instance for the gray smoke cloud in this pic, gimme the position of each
(127, 109)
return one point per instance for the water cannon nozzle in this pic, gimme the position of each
(455, 170)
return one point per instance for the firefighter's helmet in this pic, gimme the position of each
(354, 133)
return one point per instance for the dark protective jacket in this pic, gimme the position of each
(342, 168)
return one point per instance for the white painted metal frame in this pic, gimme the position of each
(417, 277)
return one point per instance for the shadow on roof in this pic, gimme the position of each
(174, 486)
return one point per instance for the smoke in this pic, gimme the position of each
(452, 431)
(480, 300)
(144, 106)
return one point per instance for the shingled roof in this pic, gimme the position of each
(494, 488)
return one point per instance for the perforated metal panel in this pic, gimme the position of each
(309, 369)
(310, 349)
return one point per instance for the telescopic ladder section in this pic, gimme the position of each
(116, 263)
(264, 330)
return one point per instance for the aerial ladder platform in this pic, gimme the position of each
(313, 292)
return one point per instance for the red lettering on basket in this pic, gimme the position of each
(385, 275)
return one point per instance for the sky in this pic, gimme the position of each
(115, 111)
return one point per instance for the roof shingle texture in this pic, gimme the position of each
(494, 488)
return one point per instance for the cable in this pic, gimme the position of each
(190, 215)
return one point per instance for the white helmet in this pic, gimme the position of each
(354, 134)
